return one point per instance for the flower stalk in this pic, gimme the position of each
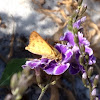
(43, 91)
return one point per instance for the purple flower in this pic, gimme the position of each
(78, 23)
(65, 51)
(82, 40)
(92, 60)
(53, 67)
(75, 66)
(32, 64)
(57, 68)
(69, 37)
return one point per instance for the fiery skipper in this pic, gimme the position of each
(38, 45)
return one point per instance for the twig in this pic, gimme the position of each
(11, 43)
(11, 47)
(3, 59)
(43, 91)
(45, 88)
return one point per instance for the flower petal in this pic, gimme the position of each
(77, 24)
(69, 37)
(45, 61)
(60, 69)
(33, 64)
(61, 48)
(68, 55)
(88, 50)
(50, 68)
(92, 60)
(83, 40)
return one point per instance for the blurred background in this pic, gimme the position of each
(18, 18)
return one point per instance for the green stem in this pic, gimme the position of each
(85, 67)
(81, 52)
(90, 85)
(45, 88)
(43, 91)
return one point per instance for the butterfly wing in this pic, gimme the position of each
(38, 45)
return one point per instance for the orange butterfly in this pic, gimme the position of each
(38, 45)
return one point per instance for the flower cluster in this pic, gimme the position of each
(71, 53)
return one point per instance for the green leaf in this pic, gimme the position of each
(12, 67)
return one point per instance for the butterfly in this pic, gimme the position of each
(38, 45)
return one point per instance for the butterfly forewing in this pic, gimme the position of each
(38, 45)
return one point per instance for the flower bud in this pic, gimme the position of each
(87, 57)
(9, 97)
(26, 71)
(94, 92)
(16, 91)
(74, 14)
(84, 9)
(70, 22)
(90, 71)
(81, 60)
(84, 78)
(70, 28)
(83, 48)
(18, 97)
(76, 40)
(75, 30)
(14, 81)
(80, 2)
(96, 80)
